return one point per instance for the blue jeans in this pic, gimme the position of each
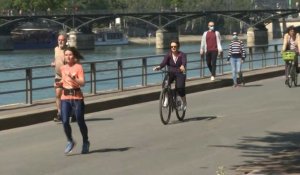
(67, 106)
(235, 68)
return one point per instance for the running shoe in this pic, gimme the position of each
(57, 118)
(69, 147)
(85, 147)
(165, 103)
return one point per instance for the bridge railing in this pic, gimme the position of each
(29, 84)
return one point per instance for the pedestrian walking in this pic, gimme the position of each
(211, 47)
(58, 62)
(236, 56)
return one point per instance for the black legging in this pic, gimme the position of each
(180, 82)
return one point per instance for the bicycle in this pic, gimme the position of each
(168, 101)
(292, 78)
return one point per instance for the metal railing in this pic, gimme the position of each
(36, 82)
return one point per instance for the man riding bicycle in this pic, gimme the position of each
(291, 42)
(176, 63)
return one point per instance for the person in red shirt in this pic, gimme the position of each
(211, 47)
(72, 98)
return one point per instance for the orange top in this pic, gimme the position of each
(75, 70)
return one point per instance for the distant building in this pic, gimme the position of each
(271, 4)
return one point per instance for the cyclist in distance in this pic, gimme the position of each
(291, 42)
(175, 60)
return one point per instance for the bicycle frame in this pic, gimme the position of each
(291, 73)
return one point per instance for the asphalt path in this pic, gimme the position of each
(227, 127)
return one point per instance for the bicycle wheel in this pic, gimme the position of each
(165, 106)
(289, 78)
(180, 113)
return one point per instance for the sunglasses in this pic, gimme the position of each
(173, 46)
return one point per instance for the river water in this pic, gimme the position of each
(26, 58)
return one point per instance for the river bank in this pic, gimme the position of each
(182, 39)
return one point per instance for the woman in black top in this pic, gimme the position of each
(176, 61)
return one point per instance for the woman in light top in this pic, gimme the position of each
(291, 42)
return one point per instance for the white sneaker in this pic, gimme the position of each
(212, 78)
(165, 104)
(182, 107)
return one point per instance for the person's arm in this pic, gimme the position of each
(298, 42)
(53, 61)
(219, 42)
(163, 63)
(229, 51)
(184, 62)
(203, 44)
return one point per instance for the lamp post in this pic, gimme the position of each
(73, 18)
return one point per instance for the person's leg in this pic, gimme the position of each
(296, 63)
(66, 109)
(238, 68)
(233, 70)
(79, 113)
(79, 109)
(286, 71)
(208, 61)
(214, 56)
(58, 93)
(180, 88)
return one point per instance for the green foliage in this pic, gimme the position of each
(130, 5)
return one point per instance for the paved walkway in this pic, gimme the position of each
(274, 153)
(42, 111)
(249, 130)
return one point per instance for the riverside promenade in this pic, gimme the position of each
(18, 115)
(246, 130)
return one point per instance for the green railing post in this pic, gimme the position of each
(93, 89)
(250, 58)
(276, 55)
(120, 75)
(28, 86)
(263, 60)
(144, 72)
(202, 72)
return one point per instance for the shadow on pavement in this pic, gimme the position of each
(110, 150)
(275, 153)
(97, 119)
(102, 151)
(190, 119)
(253, 85)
